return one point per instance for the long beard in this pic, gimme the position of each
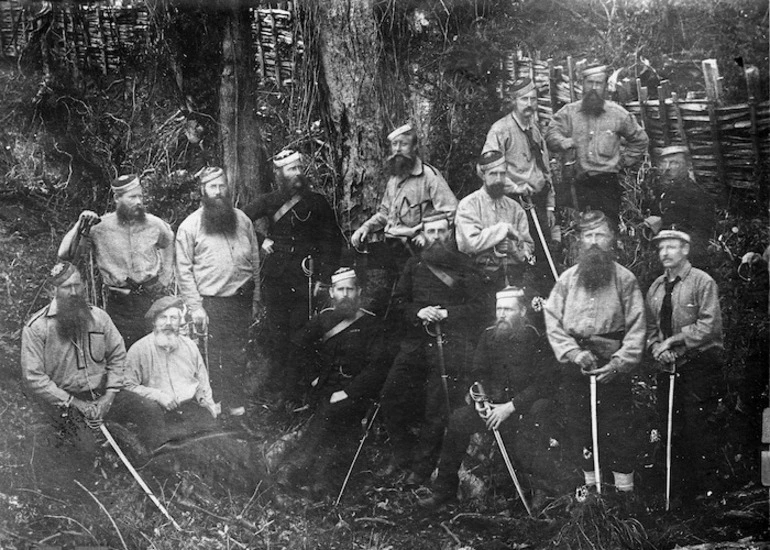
(399, 165)
(496, 190)
(127, 214)
(592, 103)
(218, 216)
(346, 307)
(505, 329)
(72, 317)
(440, 253)
(167, 339)
(293, 185)
(595, 268)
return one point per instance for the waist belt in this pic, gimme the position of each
(147, 288)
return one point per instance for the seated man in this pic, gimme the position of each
(513, 363)
(344, 344)
(166, 368)
(72, 361)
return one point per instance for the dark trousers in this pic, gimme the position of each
(286, 303)
(617, 448)
(695, 447)
(600, 192)
(127, 313)
(388, 257)
(229, 319)
(413, 399)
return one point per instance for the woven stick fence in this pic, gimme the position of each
(728, 144)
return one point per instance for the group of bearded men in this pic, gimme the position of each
(447, 267)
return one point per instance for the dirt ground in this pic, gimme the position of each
(63, 494)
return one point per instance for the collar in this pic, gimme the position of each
(519, 123)
(53, 309)
(418, 168)
(682, 272)
(489, 198)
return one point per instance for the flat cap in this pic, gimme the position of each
(209, 173)
(400, 130)
(286, 158)
(521, 87)
(162, 304)
(592, 219)
(123, 184)
(510, 292)
(490, 159)
(671, 234)
(61, 272)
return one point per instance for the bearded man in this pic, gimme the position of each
(592, 129)
(301, 234)
(73, 359)
(412, 188)
(596, 326)
(217, 262)
(166, 367)
(440, 293)
(492, 228)
(133, 251)
(343, 351)
(514, 366)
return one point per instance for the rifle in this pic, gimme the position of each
(481, 402)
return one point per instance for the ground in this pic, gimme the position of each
(57, 493)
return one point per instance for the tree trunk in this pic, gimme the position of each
(243, 157)
(349, 55)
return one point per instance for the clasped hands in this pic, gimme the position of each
(589, 366)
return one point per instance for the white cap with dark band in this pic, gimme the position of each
(510, 292)
(343, 274)
(123, 184)
(209, 173)
(400, 130)
(287, 157)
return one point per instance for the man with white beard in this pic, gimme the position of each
(217, 262)
(133, 251)
(595, 321)
(166, 367)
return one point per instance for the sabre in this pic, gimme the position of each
(358, 452)
(595, 435)
(137, 477)
(529, 206)
(307, 269)
(439, 336)
(669, 431)
(481, 402)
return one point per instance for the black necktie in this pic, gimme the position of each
(667, 310)
(535, 149)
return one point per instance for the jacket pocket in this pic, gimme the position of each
(607, 144)
(96, 346)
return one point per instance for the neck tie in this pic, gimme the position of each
(535, 149)
(667, 310)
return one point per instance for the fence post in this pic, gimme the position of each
(714, 96)
(679, 120)
(752, 89)
(642, 92)
(554, 76)
(664, 94)
(571, 74)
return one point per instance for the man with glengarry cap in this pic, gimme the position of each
(684, 337)
(596, 326)
(342, 352)
(73, 360)
(439, 289)
(515, 367)
(217, 262)
(301, 233)
(413, 187)
(592, 129)
(134, 253)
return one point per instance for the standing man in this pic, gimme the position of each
(133, 251)
(440, 293)
(217, 261)
(343, 349)
(591, 129)
(492, 228)
(167, 368)
(596, 327)
(73, 360)
(684, 327)
(413, 187)
(302, 233)
(680, 201)
(516, 369)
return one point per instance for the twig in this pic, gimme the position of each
(383, 521)
(446, 528)
(25, 539)
(149, 540)
(185, 503)
(76, 522)
(42, 495)
(123, 542)
(254, 494)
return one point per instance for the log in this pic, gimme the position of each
(664, 96)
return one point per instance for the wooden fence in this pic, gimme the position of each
(729, 144)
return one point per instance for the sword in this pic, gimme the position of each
(307, 269)
(595, 435)
(137, 477)
(669, 431)
(481, 402)
(358, 452)
(529, 206)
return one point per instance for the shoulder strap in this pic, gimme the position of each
(339, 327)
(288, 205)
(442, 275)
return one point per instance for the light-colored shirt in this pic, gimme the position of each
(54, 367)
(482, 223)
(136, 250)
(507, 135)
(152, 371)
(597, 139)
(215, 265)
(573, 312)
(695, 309)
(406, 199)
